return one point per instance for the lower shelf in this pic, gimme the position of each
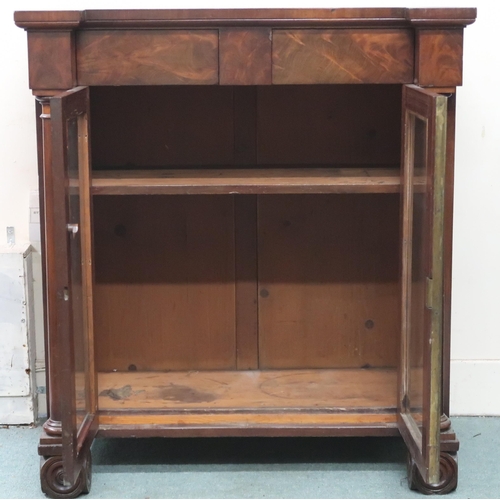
(123, 424)
(340, 390)
(249, 403)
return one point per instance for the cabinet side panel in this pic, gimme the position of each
(439, 57)
(328, 281)
(51, 60)
(165, 293)
(448, 250)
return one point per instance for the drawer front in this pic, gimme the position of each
(147, 57)
(342, 56)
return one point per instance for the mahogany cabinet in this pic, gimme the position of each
(247, 227)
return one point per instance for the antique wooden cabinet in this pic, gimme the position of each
(247, 227)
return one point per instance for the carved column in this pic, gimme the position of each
(445, 423)
(53, 425)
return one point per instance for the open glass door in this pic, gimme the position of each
(424, 158)
(71, 171)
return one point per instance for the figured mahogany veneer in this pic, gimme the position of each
(147, 57)
(439, 57)
(245, 56)
(342, 56)
(55, 64)
(244, 47)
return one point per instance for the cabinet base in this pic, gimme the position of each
(449, 476)
(245, 431)
(52, 478)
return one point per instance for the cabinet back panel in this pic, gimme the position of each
(161, 126)
(329, 124)
(176, 126)
(165, 291)
(328, 281)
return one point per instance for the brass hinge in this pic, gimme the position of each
(405, 403)
(429, 293)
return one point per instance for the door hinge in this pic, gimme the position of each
(429, 293)
(405, 403)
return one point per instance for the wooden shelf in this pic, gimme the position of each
(249, 403)
(332, 390)
(247, 181)
(118, 424)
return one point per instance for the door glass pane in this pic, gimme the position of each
(418, 271)
(76, 292)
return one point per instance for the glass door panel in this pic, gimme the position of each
(76, 292)
(424, 141)
(71, 172)
(416, 292)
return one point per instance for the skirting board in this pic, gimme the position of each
(17, 342)
(17, 410)
(474, 387)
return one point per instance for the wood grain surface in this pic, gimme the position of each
(245, 125)
(311, 17)
(147, 57)
(164, 283)
(245, 56)
(329, 124)
(247, 181)
(270, 421)
(439, 57)
(53, 424)
(51, 60)
(162, 126)
(342, 56)
(328, 281)
(315, 390)
(247, 320)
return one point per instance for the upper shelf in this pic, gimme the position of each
(247, 181)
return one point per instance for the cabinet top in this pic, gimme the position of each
(394, 17)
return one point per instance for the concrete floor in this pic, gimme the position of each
(256, 468)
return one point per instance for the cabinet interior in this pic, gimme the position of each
(279, 298)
